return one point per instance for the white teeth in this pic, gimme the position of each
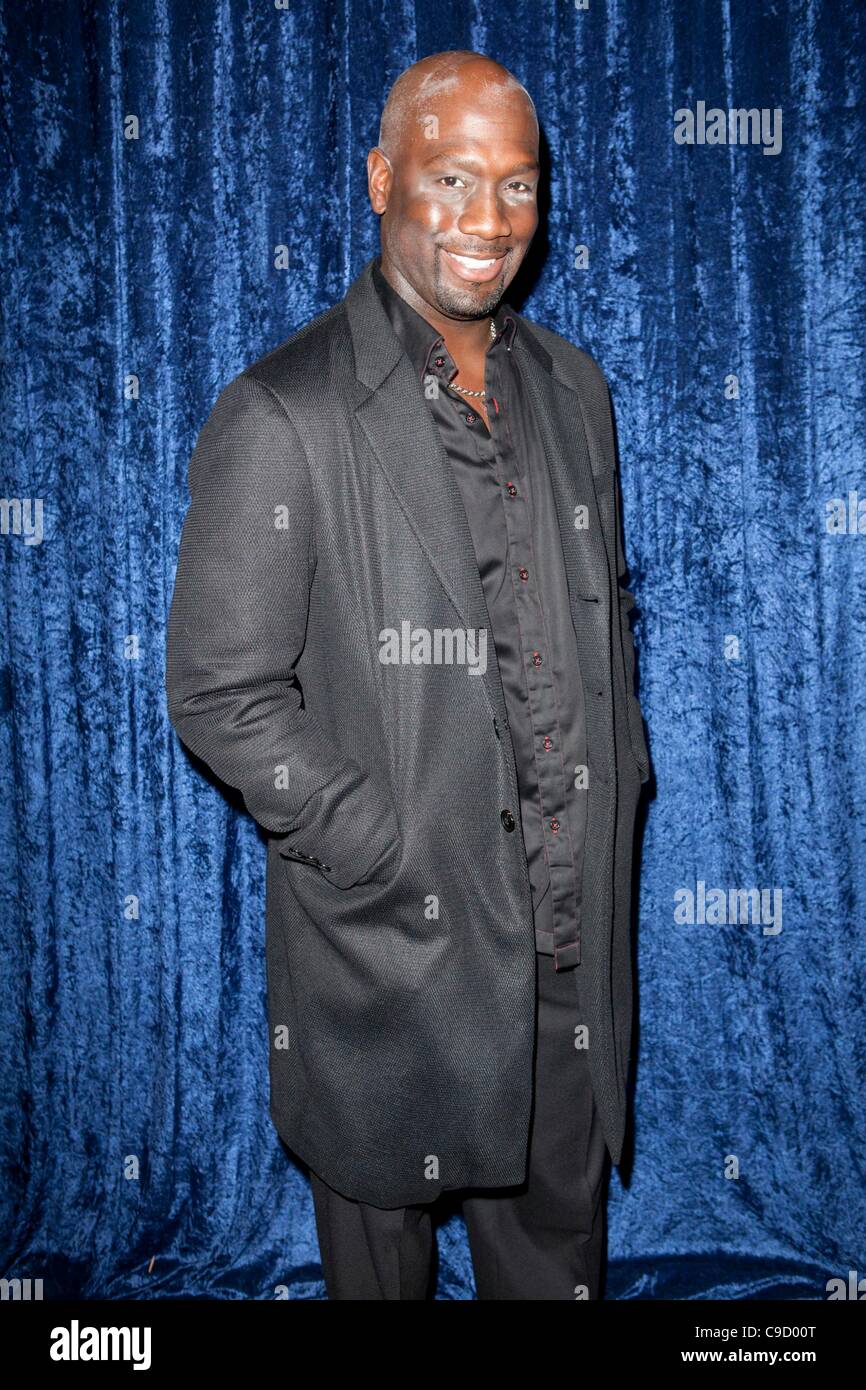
(472, 261)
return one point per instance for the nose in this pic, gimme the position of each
(483, 216)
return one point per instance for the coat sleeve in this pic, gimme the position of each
(626, 604)
(236, 629)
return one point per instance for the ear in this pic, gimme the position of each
(380, 176)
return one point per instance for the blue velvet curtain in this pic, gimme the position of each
(183, 187)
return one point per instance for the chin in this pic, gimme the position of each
(469, 304)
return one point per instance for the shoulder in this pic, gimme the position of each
(299, 371)
(309, 355)
(573, 364)
(580, 371)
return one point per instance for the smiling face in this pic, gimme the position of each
(456, 187)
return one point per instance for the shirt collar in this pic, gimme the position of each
(419, 337)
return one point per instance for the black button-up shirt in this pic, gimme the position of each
(505, 486)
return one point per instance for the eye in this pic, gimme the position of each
(517, 183)
(448, 176)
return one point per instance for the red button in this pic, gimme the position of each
(511, 489)
(524, 573)
(536, 658)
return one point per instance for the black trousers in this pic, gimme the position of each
(541, 1240)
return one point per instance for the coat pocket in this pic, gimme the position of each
(348, 830)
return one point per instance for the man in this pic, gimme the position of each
(398, 629)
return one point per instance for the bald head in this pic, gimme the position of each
(417, 93)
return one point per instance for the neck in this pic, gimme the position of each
(467, 340)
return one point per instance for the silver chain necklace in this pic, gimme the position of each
(464, 390)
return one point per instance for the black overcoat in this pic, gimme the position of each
(399, 937)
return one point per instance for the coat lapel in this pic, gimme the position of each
(409, 450)
(403, 435)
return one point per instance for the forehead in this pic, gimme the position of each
(496, 123)
(469, 107)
